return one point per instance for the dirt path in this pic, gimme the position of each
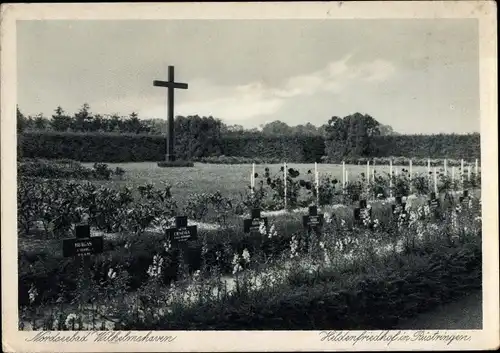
(463, 314)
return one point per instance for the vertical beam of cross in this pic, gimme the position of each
(170, 85)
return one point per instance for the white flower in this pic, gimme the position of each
(154, 269)
(376, 223)
(262, 228)
(246, 256)
(236, 264)
(328, 218)
(399, 246)
(167, 245)
(32, 293)
(294, 244)
(71, 320)
(272, 232)
(111, 274)
(342, 223)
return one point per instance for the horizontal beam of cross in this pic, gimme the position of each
(170, 84)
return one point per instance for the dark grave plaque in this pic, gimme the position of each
(83, 244)
(252, 224)
(313, 221)
(182, 233)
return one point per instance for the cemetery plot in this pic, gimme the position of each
(292, 225)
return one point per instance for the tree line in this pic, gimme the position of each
(85, 121)
(354, 136)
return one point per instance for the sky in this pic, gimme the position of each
(417, 75)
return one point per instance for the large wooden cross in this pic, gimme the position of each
(171, 85)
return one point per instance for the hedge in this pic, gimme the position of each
(112, 147)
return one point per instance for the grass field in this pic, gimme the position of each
(230, 180)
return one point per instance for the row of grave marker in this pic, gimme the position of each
(345, 175)
(83, 245)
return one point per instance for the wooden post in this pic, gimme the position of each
(445, 167)
(411, 171)
(462, 172)
(390, 178)
(476, 168)
(468, 172)
(316, 177)
(435, 181)
(284, 182)
(343, 175)
(252, 178)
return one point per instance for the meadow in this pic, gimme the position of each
(231, 180)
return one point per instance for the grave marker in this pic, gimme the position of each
(313, 221)
(83, 246)
(362, 212)
(181, 233)
(252, 224)
(464, 199)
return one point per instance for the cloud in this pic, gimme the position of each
(259, 99)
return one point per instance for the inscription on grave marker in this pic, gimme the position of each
(313, 221)
(182, 233)
(83, 245)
